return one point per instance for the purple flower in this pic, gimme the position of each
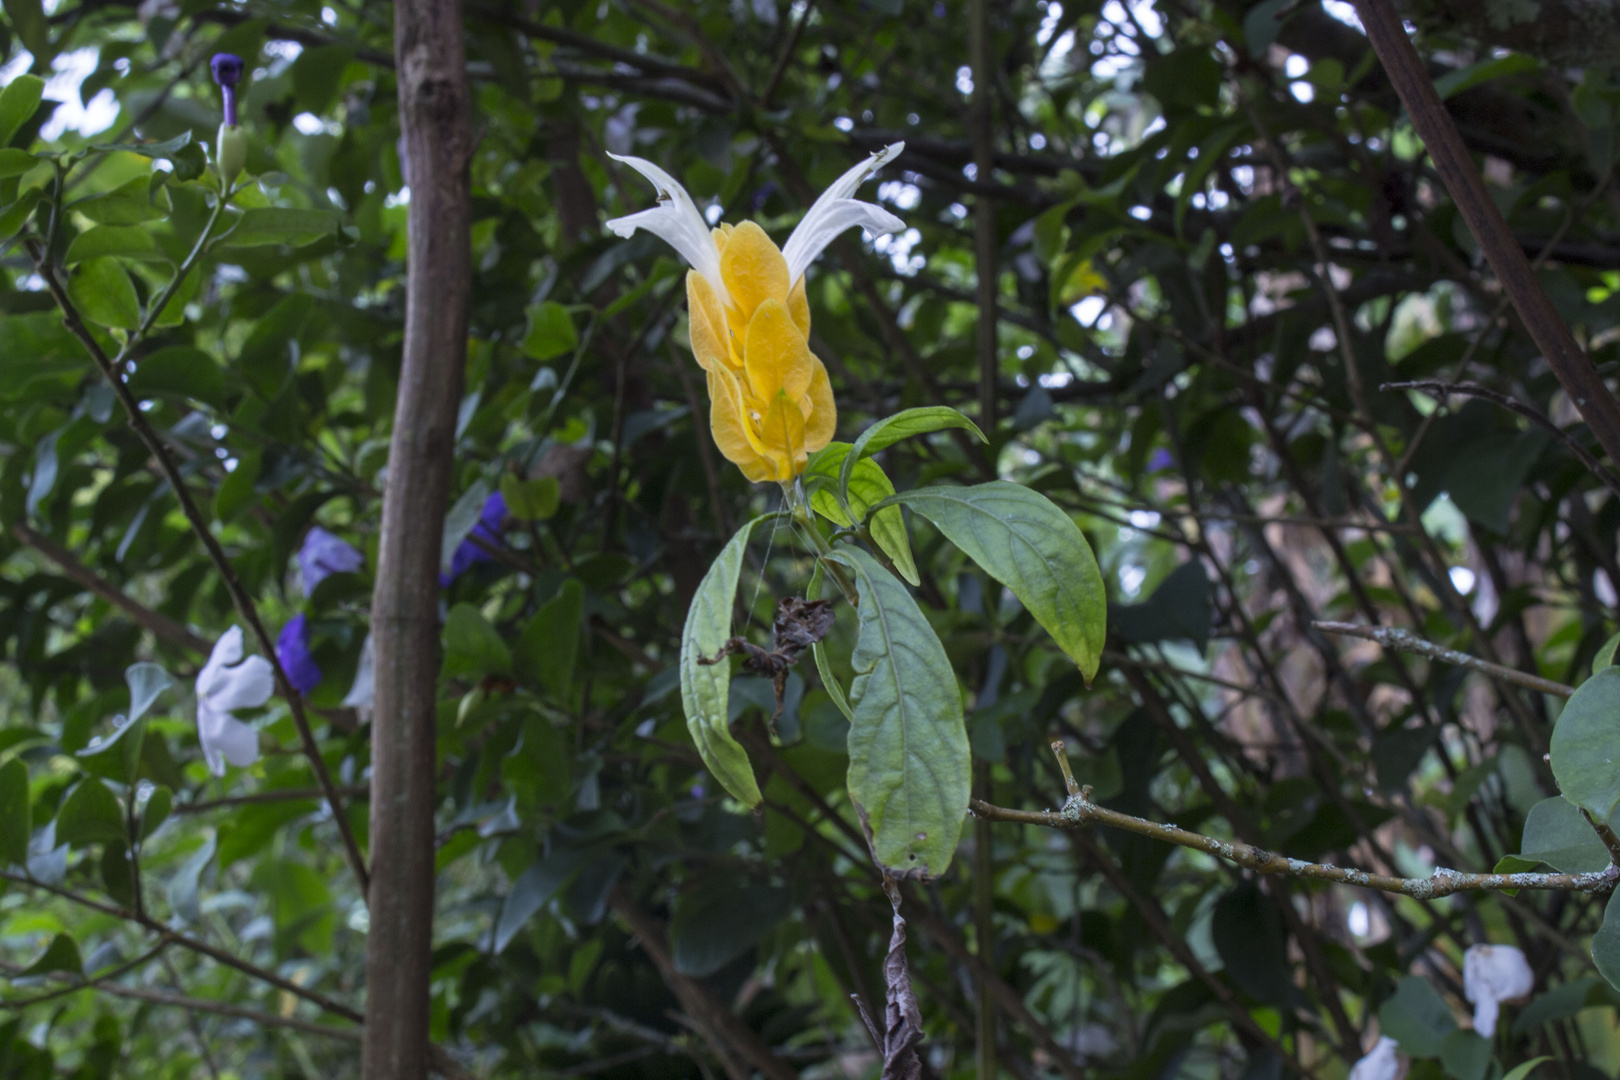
(292, 649)
(323, 555)
(491, 520)
(227, 68)
(1159, 459)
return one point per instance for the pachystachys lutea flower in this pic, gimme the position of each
(771, 405)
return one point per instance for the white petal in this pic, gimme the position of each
(245, 686)
(677, 220)
(1379, 1064)
(227, 651)
(225, 738)
(1493, 974)
(363, 692)
(815, 232)
(812, 236)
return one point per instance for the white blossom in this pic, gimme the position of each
(1379, 1064)
(228, 682)
(1493, 974)
(677, 220)
(835, 211)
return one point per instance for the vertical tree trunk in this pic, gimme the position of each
(437, 142)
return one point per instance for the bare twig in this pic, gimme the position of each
(1395, 637)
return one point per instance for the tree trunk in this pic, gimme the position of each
(437, 143)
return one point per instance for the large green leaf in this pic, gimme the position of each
(1586, 745)
(18, 101)
(1029, 545)
(546, 652)
(868, 486)
(1417, 1017)
(909, 761)
(1555, 833)
(128, 241)
(105, 295)
(181, 371)
(129, 204)
(902, 425)
(90, 814)
(706, 689)
(281, 225)
(1606, 942)
(472, 646)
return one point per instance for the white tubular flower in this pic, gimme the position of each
(1493, 974)
(228, 682)
(1379, 1064)
(677, 220)
(835, 211)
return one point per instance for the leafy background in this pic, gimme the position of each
(1215, 238)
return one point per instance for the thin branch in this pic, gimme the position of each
(353, 791)
(161, 626)
(1435, 388)
(1079, 811)
(1395, 637)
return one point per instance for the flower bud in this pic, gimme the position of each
(231, 154)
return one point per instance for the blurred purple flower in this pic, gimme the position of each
(292, 649)
(1160, 459)
(325, 554)
(491, 520)
(227, 68)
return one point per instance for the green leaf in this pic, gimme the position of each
(1606, 943)
(117, 756)
(909, 761)
(1465, 1055)
(829, 681)
(182, 890)
(472, 646)
(182, 371)
(868, 486)
(902, 425)
(1605, 654)
(15, 216)
(61, 955)
(531, 500)
(1586, 745)
(156, 811)
(1417, 1017)
(1029, 545)
(281, 225)
(89, 815)
(16, 162)
(266, 356)
(1248, 934)
(1519, 1072)
(721, 922)
(550, 643)
(1555, 833)
(1180, 609)
(128, 241)
(15, 823)
(129, 204)
(104, 294)
(236, 490)
(1495, 68)
(460, 520)
(706, 689)
(551, 332)
(18, 101)
(533, 889)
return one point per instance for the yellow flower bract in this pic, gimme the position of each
(771, 403)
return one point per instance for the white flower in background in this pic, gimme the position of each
(1379, 1064)
(1493, 974)
(228, 682)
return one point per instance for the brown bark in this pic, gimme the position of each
(433, 106)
